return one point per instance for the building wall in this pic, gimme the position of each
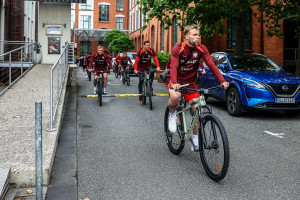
(96, 24)
(29, 20)
(53, 14)
(260, 42)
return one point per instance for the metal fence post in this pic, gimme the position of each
(38, 150)
(21, 62)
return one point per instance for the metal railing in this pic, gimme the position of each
(57, 77)
(14, 64)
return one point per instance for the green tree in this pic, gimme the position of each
(277, 10)
(122, 43)
(210, 14)
(114, 34)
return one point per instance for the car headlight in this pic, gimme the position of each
(253, 84)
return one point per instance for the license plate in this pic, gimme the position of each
(285, 100)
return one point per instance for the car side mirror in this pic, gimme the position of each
(223, 67)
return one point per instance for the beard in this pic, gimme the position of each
(194, 43)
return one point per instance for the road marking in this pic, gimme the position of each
(279, 135)
(122, 95)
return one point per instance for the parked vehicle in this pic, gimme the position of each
(132, 56)
(256, 82)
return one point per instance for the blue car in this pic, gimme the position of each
(256, 82)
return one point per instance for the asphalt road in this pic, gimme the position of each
(122, 153)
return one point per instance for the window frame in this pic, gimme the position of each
(107, 12)
(120, 5)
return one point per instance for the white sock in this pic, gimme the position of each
(95, 87)
(104, 89)
(173, 115)
(195, 139)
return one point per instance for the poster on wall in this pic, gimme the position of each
(53, 45)
(54, 29)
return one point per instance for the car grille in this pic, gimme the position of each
(286, 90)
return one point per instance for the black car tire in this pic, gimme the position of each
(292, 113)
(233, 102)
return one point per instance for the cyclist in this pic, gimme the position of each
(184, 64)
(101, 60)
(143, 63)
(81, 64)
(86, 63)
(117, 62)
(123, 62)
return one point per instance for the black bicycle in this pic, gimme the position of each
(147, 89)
(100, 86)
(125, 76)
(213, 142)
(117, 71)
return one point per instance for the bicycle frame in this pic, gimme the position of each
(188, 130)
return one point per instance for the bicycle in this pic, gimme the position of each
(147, 89)
(213, 142)
(100, 84)
(126, 77)
(117, 71)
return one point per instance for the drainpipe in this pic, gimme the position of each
(262, 36)
(10, 21)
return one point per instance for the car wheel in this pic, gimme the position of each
(233, 102)
(291, 112)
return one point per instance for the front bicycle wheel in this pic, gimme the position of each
(144, 93)
(175, 141)
(128, 78)
(149, 92)
(214, 156)
(100, 90)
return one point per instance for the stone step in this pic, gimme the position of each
(4, 179)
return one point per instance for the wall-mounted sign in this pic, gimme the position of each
(53, 45)
(54, 29)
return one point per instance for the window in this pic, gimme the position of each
(120, 5)
(72, 5)
(163, 37)
(133, 24)
(136, 20)
(175, 31)
(153, 36)
(104, 13)
(85, 21)
(231, 36)
(85, 48)
(119, 23)
(87, 5)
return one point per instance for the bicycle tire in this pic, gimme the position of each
(215, 168)
(128, 79)
(150, 96)
(123, 77)
(174, 141)
(144, 93)
(100, 91)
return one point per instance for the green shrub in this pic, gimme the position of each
(163, 59)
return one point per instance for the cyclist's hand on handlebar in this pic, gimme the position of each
(135, 71)
(225, 85)
(158, 68)
(176, 86)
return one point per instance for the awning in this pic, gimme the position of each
(92, 34)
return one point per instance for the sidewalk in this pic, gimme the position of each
(17, 127)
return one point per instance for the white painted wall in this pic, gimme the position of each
(53, 14)
(29, 20)
(2, 26)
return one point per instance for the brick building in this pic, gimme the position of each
(282, 51)
(93, 19)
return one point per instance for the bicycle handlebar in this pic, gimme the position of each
(184, 90)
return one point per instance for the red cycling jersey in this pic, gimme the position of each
(188, 72)
(87, 60)
(101, 61)
(143, 60)
(124, 61)
(117, 60)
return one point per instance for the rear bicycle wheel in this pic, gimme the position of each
(214, 157)
(100, 91)
(175, 141)
(150, 96)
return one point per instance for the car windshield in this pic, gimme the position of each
(252, 63)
